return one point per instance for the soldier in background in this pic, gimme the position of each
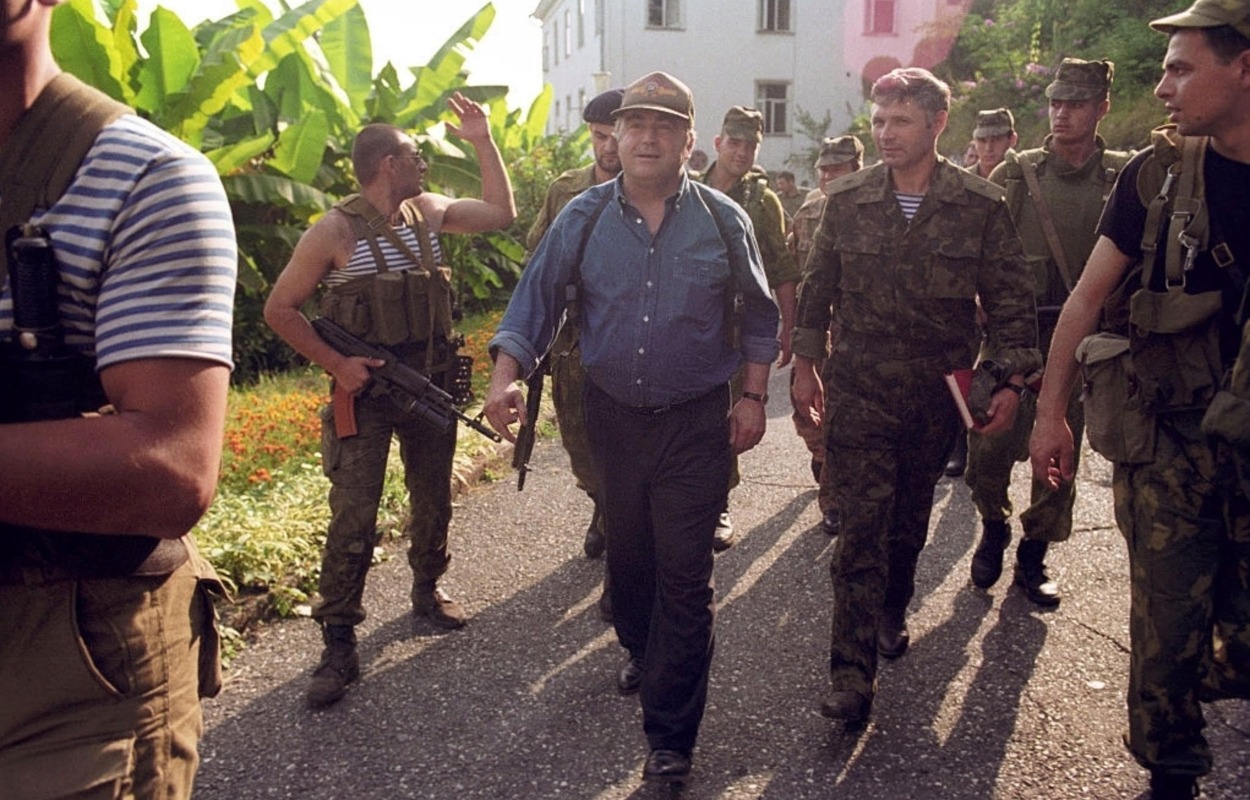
(735, 173)
(789, 193)
(994, 137)
(567, 377)
(838, 156)
(1073, 171)
(903, 252)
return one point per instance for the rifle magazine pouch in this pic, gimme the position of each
(1228, 418)
(1117, 426)
(348, 305)
(1175, 343)
(389, 308)
(428, 304)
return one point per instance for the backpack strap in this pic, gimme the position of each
(46, 148)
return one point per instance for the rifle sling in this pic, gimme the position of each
(1047, 222)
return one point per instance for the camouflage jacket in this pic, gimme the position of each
(910, 288)
(1075, 197)
(769, 221)
(803, 228)
(563, 189)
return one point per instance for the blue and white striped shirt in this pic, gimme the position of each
(144, 240)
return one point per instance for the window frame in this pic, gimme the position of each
(776, 110)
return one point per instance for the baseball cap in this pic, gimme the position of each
(658, 91)
(1209, 14)
(993, 122)
(839, 150)
(743, 123)
(599, 109)
(1081, 80)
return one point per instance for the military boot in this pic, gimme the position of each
(434, 604)
(339, 666)
(1173, 787)
(987, 560)
(1031, 573)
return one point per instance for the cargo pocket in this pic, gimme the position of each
(1115, 423)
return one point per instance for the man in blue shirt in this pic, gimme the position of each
(657, 261)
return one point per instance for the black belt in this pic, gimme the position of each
(32, 557)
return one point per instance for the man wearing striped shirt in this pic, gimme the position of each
(107, 631)
(377, 255)
(902, 253)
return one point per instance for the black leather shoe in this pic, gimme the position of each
(987, 559)
(666, 765)
(1173, 787)
(595, 543)
(849, 707)
(629, 679)
(723, 539)
(957, 462)
(1031, 574)
(892, 642)
(831, 523)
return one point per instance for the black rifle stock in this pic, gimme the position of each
(528, 432)
(411, 391)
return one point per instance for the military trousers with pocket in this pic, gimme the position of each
(1187, 527)
(664, 475)
(991, 460)
(891, 425)
(568, 381)
(356, 467)
(101, 686)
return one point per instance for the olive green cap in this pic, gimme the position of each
(993, 122)
(743, 123)
(839, 150)
(1209, 14)
(658, 91)
(1081, 80)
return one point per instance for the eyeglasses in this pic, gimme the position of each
(417, 157)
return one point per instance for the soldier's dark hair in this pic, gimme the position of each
(784, 173)
(1226, 42)
(374, 143)
(915, 84)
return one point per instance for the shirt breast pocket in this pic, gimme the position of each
(863, 262)
(951, 273)
(699, 286)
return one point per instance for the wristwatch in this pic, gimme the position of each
(756, 396)
(1019, 390)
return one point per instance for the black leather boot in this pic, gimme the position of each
(987, 560)
(1031, 573)
(339, 666)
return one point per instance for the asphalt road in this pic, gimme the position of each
(995, 698)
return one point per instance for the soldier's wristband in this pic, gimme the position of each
(756, 396)
(1019, 390)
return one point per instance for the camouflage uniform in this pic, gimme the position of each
(904, 297)
(567, 376)
(1075, 196)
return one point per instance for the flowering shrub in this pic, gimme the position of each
(268, 429)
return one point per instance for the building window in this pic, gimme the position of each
(774, 15)
(663, 13)
(581, 102)
(581, 24)
(556, 117)
(568, 34)
(879, 17)
(555, 42)
(771, 98)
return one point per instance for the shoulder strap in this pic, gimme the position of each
(1047, 222)
(368, 223)
(47, 146)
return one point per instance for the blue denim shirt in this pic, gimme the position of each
(654, 309)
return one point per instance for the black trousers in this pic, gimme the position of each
(663, 478)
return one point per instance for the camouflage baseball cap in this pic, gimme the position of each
(743, 123)
(599, 109)
(839, 150)
(658, 91)
(1209, 14)
(994, 122)
(1081, 80)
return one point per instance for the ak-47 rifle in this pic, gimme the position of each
(411, 391)
(528, 432)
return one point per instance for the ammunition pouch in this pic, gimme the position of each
(392, 308)
(1117, 423)
(1174, 342)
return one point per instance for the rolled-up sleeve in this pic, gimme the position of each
(760, 318)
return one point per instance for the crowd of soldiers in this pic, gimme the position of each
(916, 299)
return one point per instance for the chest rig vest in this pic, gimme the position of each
(407, 310)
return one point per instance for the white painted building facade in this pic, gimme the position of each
(776, 55)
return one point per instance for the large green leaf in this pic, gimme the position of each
(444, 69)
(276, 191)
(349, 54)
(234, 156)
(301, 147)
(124, 24)
(286, 34)
(222, 72)
(172, 59)
(84, 47)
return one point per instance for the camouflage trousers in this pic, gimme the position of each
(568, 384)
(356, 467)
(891, 426)
(1187, 527)
(991, 459)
